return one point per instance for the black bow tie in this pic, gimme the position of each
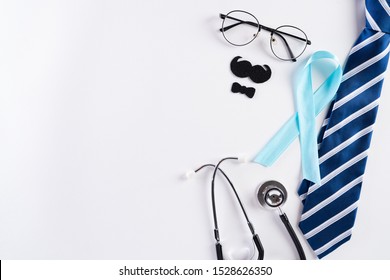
(248, 91)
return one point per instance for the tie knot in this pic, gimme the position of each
(378, 15)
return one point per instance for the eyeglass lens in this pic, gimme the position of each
(288, 42)
(240, 28)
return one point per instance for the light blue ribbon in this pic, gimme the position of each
(302, 123)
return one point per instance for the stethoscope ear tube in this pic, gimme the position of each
(218, 245)
(259, 247)
(218, 248)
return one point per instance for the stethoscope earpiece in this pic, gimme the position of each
(272, 195)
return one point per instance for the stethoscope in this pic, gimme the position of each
(271, 195)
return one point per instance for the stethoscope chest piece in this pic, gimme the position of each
(272, 195)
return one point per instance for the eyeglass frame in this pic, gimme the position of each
(269, 29)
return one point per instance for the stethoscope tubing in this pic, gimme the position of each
(255, 237)
(293, 235)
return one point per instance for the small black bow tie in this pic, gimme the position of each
(248, 91)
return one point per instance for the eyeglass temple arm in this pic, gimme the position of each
(235, 24)
(285, 33)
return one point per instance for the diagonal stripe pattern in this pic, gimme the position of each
(330, 207)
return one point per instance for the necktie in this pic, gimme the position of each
(329, 208)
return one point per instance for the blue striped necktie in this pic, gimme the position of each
(329, 208)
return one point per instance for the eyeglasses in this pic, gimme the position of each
(240, 28)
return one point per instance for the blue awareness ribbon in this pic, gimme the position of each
(308, 105)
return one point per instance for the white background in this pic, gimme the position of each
(105, 104)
